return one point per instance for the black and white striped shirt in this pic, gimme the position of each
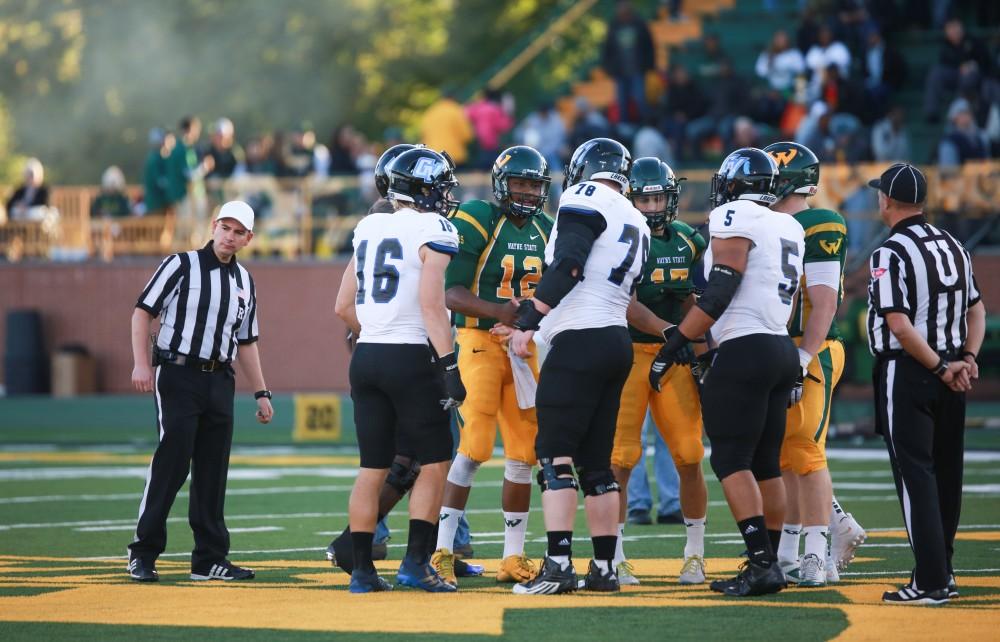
(205, 307)
(926, 274)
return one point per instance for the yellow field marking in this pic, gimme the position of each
(973, 536)
(315, 599)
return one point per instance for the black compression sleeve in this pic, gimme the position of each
(722, 284)
(575, 238)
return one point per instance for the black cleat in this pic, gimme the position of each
(639, 518)
(910, 595)
(224, 570)
(598, 580)
(368, 582)
(142, 571)
(752, 580)
(552, 580)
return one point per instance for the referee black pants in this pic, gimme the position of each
(194, 412)
(923, 424)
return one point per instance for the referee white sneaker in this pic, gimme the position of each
(224, 570)
(846, 535)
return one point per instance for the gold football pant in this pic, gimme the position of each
(804, 448)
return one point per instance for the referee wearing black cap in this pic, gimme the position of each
(926, 323)
(207, 306)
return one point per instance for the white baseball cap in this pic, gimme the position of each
(239, 211)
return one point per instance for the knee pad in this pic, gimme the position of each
(517, 472)
(402, 476)
(462, 471)
(598, 482)
(549, 479)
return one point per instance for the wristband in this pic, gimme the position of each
(448, 362)
(804, 359)
(528, 316)
(969, 354)
(941, 367)
(266, 394)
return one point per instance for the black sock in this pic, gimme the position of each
(561, 543)
(604, 548)
(362, 543)
(757, 540)
(775, 538)
(419, 541)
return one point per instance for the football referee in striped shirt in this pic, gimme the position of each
(926, 323)
(207, 305)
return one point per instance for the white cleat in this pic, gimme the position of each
(832, 574)
(693, 571)
(812, 572)
(791, 569)
(845, 537)
(626, 574)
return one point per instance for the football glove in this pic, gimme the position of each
(454, 389)
(702, 365)
(676, 349)
(796, 395)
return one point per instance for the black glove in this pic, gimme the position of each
(675, 350)
(796, 395)
(702, 365)
(454, 389)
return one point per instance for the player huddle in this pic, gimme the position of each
(751, 359)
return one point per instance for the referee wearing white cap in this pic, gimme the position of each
(207, 305)
(926, 323)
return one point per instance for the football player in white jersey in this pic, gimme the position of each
(753, 266)
(595, 254)
(392, 296)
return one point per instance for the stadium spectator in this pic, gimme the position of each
(779, 64)
(445, 127)
(544, 130)
(840, 94)
(962, 62)
(298, 155)
(745, 134)
(885, 69)
(626, 56)
(649, 141)
(186, 184)
(826, 52)
(964, 141)
(589, 123)
(32, 194)
(111, 201)
(683, 103)
(342, 151)
(711, 59)
(226, 155)
(156, 179)
(491, 118)
(890, 140)
(725, 94)
(260, 159)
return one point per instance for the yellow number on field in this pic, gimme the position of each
(317, 418)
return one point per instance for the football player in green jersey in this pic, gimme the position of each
(501, 251)
(665, 289)
(811, 508)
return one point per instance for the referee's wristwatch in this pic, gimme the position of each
(941, 368)
(266, 394)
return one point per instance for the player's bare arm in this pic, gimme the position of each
(956, 376)
(346, 297)
(432, 300)
(460, 299)
(731, 253)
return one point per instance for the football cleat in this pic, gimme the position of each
(599, 580)
(552, 580)
(224, 570)
(626, 574)
(465, 569)
(832, 574)
(752, 580)
(791, 569)
(422, 576)
(367, 582)
(910, 595)
(845, 538)
(812, 571)
(443, 562)
(142, 571)
(693, 571)
(516, 569)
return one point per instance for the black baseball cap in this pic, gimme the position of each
(902, 182)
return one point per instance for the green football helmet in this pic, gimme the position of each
(652, 176)
(524, 162)
(798, 169)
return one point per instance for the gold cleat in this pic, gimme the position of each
(516, 569)
(443, 562)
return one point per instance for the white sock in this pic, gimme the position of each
(515, 528)
(620, 546)
(695, 537)
(788, 547)
(815, 540)
(448, 526)
(561, 560)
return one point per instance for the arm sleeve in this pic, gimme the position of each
(249, 332)
(440, 235)
(472, 238)
(888, 289)
(825, 273)
(162, 287)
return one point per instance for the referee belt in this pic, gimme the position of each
(889, 355)
(205, 365)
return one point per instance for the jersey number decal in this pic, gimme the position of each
(589, 192)
(729, 217)
(385, 277)
(532, 266)
(787, 290)
(944, 261)
(630, 235)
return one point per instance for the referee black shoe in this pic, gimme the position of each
(752, 580)
(224, 570)
(910, 595)
(142, 571)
